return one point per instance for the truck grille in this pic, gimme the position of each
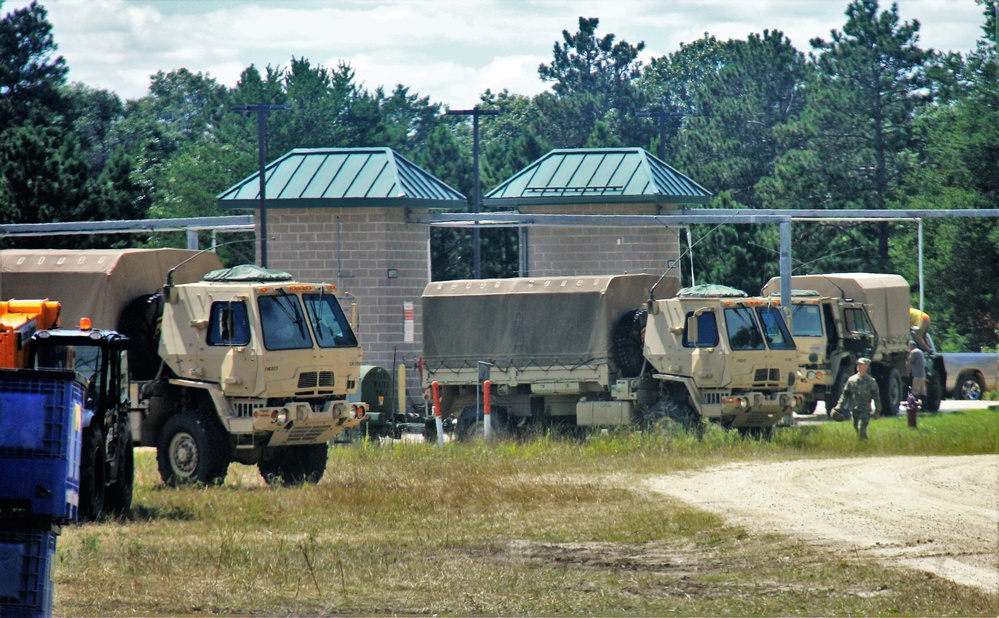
(315, 379)
(714, 397)
(306, 435)
(767, 375)
(244, 409)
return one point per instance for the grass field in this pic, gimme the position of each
(534, 527)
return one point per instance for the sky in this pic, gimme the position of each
(448, 50)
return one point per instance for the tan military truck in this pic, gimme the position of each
(239, 364)
(606, 351)
(840, 317)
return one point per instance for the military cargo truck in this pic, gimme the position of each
(239, 364)
(601, 351)
(840, 317)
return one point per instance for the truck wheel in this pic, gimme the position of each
(934, 393)
(970, 388)
(628, 344)
(833, 395)
(92, 478)
(118, 499)
(891, 392)
(809, 407)
(472, 424)
(292, 466)
(192, 449)
(673, 410)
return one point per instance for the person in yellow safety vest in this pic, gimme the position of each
(919, 322)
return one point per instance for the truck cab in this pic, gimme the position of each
(830, 333)
(733, 354)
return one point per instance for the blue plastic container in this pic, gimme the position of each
(40, 439)
(26, 561)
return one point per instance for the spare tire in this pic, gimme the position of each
(140, 322)
(628, 346)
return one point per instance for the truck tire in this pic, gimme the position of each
(629, 346)
(836, 390)
(809, 408)
(673, 410)
(192, 449)
(139, 321)
(292, 466)
(970, 388)
(118, 499)
(891, 388)
(472, 424)
(92, 478)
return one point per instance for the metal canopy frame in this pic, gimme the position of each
(686, 217)
(682, 217)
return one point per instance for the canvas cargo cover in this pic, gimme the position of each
(530, 322)
(886, 295)
(96, 283)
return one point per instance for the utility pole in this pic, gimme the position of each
(477, 197)
(261, 109)
(661, 115)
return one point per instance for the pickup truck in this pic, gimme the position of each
(968, 375)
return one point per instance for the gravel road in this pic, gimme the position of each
(937, 514)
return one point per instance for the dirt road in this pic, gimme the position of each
(937, 514)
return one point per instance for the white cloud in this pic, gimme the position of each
(449, 50)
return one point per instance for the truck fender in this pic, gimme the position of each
(223, 410)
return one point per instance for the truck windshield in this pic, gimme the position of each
(743, 333)
(806, 321)
(774, 328)
(85, 360)
(282, 323)
(328, 321)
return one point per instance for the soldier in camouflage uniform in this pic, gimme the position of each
(857, 395)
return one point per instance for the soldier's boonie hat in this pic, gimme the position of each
(863, 361)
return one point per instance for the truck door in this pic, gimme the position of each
(701, 334)
(859, 335)
(229, 336)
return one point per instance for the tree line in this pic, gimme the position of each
(866, 119)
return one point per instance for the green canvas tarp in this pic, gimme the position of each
(96, 283)
(530, 322)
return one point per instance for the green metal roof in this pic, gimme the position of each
(598, 176)
(343, 178)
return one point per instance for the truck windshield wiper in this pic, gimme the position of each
(297, 317)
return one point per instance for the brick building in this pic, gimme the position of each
(598, 181)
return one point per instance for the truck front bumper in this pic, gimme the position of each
(753, 409)
(298, 423)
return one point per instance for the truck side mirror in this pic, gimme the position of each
(692, 328)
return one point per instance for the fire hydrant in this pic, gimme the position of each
(911, 409)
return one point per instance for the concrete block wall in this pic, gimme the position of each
(569, 251)
(354, 249)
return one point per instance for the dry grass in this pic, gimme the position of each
(543, 527)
